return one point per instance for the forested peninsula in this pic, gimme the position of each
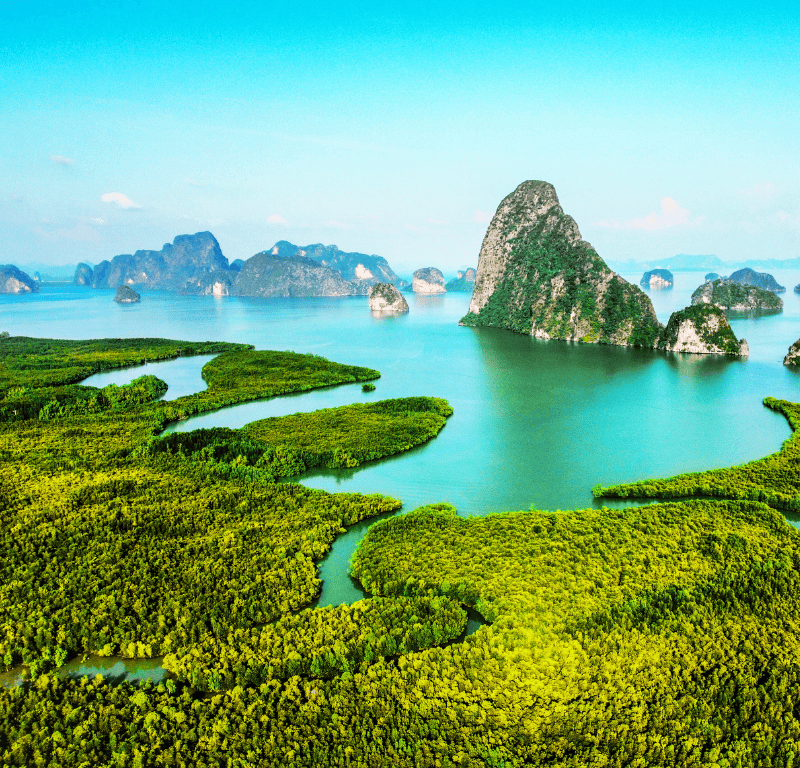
(655, 636)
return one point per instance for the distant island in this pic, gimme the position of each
(428, 280)
(738, 297)
(195, 264)
(762, 280)
(126, 295)
(657, 279)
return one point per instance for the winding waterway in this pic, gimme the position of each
(535, 423)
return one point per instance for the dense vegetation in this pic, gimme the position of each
(774, 479)
(285, 446)
(112, 547)
(324, 642)
(665, 635)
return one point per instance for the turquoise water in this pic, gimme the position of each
(535, 422)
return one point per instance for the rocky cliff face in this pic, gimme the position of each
(727, 294)
(428, 280)
(267, 275)
(188, 258)
(126, 295)
(537, 275)
(793, 355)
(14, 280)
(657, 279)
(761, 280)
(384, 297)
(702, 329)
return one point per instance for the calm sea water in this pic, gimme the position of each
(535, 422)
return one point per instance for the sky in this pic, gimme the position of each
(397, 130)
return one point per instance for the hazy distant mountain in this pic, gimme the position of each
(702, 263)
(266, 274)
(188, 258)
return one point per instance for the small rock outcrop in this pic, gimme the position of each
(463, 282)
(702, 329)
(536, 275)
(384, 297)
(738, 297)
(14, 280)
(657, 279)
(428, 280)
(762, 280)
(126, 295)
(797, 288)
(793, 355)
(711, 276)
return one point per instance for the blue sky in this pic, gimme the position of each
(397, 130)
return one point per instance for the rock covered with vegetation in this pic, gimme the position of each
(14, 280)
(793, 355)
(762, 280)
(463, 282)
(536, 275)
(702, 329)
(739, 297)
(126, 295)
(428, 280)
(84, 275)
(657, 279)
(711, 276)
(384, 297)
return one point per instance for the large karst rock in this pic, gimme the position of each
(727, 294)
(188, 259)
(267, 275)
(657, 279)
(359, 268)
(702, 329)
(384, 297)
(14, 280)
(84, 275)
(428, 280)
(537, 275)
(762, 280)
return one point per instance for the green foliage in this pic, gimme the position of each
(111, 547)
(286, 446)
(774, 479)
(368, 387)
(322, 642)
(727, 294)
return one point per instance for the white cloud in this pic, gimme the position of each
(192, 183)
(97, 221)
(121, 200)
(671, 215)
(275, 218)
(789, 219)
(61, 160)
(482, 217)
(438, 223)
